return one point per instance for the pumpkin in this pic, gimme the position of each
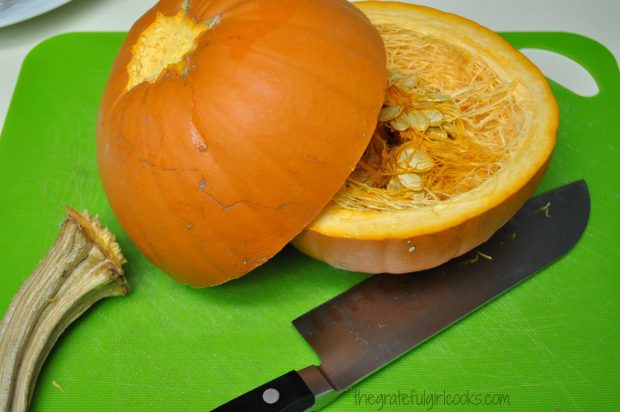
(225, 127)
(466, 133)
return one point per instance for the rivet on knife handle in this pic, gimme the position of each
(287, 393)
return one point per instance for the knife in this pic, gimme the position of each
(383, 317)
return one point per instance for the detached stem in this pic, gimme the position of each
(83, 266)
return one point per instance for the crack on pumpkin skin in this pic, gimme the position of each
(233, 205)
(147, 162)
(225, 208)
(202, 184)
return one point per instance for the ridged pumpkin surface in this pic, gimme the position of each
(405, 239)
(214, 158)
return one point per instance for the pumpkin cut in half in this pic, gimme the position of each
(465, 135)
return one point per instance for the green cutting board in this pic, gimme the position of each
(551, 344)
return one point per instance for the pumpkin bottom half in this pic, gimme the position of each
(465, 136)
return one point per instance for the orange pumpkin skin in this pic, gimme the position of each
(212, 169)
(418, 251)
(402, 241)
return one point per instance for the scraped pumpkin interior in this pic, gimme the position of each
(448, 124)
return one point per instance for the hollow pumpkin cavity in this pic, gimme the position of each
(448, 124)
(164, 45)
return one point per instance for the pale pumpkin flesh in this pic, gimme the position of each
(421, 235)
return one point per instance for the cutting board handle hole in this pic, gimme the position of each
(564, 71)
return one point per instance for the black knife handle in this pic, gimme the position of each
(288, 393)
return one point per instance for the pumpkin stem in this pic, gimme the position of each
(83, 265)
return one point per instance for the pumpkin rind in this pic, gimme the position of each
(400, 241)
(213, 169)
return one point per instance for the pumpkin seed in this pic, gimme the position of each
(417, 121)
(437, 133)
(400, 124)
(395, 77)
(408, 84)
(411, 181)
(434, 117)
(415, 160)
(390, 113)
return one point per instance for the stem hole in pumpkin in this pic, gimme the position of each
(165, 44)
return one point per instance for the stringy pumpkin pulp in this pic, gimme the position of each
(465, 136)
(448, 124)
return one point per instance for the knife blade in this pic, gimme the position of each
(385, 316)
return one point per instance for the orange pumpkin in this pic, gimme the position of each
(429, 232)
(226, 127)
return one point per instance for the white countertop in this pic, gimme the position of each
(597, 19)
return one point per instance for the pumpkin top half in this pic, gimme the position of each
(226, 127)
